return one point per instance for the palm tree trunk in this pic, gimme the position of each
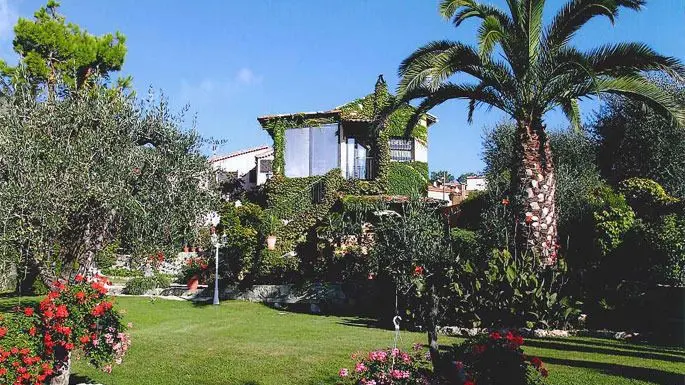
(535, 187)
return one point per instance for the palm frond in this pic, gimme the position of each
(575, 13)
(533, 26)
(572, 111)
(435, 62)
(490, 33)
(632, 58)
(461, 10)
(641, 89)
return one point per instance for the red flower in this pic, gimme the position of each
(529, 218)
(544, 372)
(505, 201)
(80, 296)
(3, 371)
(69, 346)
(62, 311)
(418, 270)
(3, 332)
(48, 313)
(479, 349)
(28, 311)
(469, 382)
(78, 278)
(536, 362)
(495, 336)
(32, 331)
(84, 339)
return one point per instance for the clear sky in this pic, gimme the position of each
(232, 61)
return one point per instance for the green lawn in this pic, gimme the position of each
(248, 344)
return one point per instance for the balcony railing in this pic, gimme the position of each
(363, 169)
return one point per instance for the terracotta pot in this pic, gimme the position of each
(193, 282)
(271, 242)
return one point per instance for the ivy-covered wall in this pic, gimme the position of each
(407, 178)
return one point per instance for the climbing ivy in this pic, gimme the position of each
(407, 178)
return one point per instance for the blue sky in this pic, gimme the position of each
(235, 60)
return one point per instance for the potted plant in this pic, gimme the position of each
(194, 272)
(270, 224)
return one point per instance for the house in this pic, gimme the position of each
(450, 193)
(308, 144)
(353, 154)
(252, 166)
(475, 183)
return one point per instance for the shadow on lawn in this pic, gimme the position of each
(547, 344)
(642, 374)
(637, 346)
(77, 379)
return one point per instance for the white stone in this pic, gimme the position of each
(545, 210)
(534, 183)
(534, 206)
(543, 226)
(529, 172)
(530, 192)
(535, 218)
(535, 224)
(540, 177)
(541, 197)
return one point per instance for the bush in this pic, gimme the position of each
(389, 366)
(407, 178)
(140, 285)
(120, 272)
(495, 359)
(36, 343)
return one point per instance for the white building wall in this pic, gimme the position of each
(420, 151)
(439, 195)
(475, 184)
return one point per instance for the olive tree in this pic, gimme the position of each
(93, 167)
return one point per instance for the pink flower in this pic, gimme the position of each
(395, 352)
(343, 372)
(107, 369)
(360, 367)
(459, 365)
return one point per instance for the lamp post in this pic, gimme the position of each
(217, 242)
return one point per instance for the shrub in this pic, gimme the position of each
(613, 219)
(407, 178)
(389, 366)
(496, 359)
(121, 272)
(195, 267)
(36, 342)
(140, 285)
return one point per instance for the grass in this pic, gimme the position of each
(243, 343)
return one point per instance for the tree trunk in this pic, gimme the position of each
(535, 187)
(432, 328)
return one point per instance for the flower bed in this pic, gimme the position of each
(37, 343)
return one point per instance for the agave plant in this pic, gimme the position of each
(526, 68)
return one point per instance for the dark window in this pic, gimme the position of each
(401, 150)
(252, 178)
(266, 166)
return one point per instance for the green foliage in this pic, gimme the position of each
(646, 196)
(666, 238)
(93, 167)
(613, 220)
(241, 225)
(439, 176)
(512, 290)
(107, 257)
(119, 272)
(636, 141)
(50, 48)
(140, 285)
(407, 178)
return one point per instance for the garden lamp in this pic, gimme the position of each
(218, 243)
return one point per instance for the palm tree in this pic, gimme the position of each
(526, 69)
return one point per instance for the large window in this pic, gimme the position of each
(401, 149)
(311, 151)
(266, 166)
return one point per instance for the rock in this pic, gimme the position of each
(535, 206)
(534, 183)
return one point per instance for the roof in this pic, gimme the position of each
(475, 177)
(364, 110)
(312, 114)
(218, 158)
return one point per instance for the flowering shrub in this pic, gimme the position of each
(390, 366)
(496, 359)
(195, 267)
(36, 343)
